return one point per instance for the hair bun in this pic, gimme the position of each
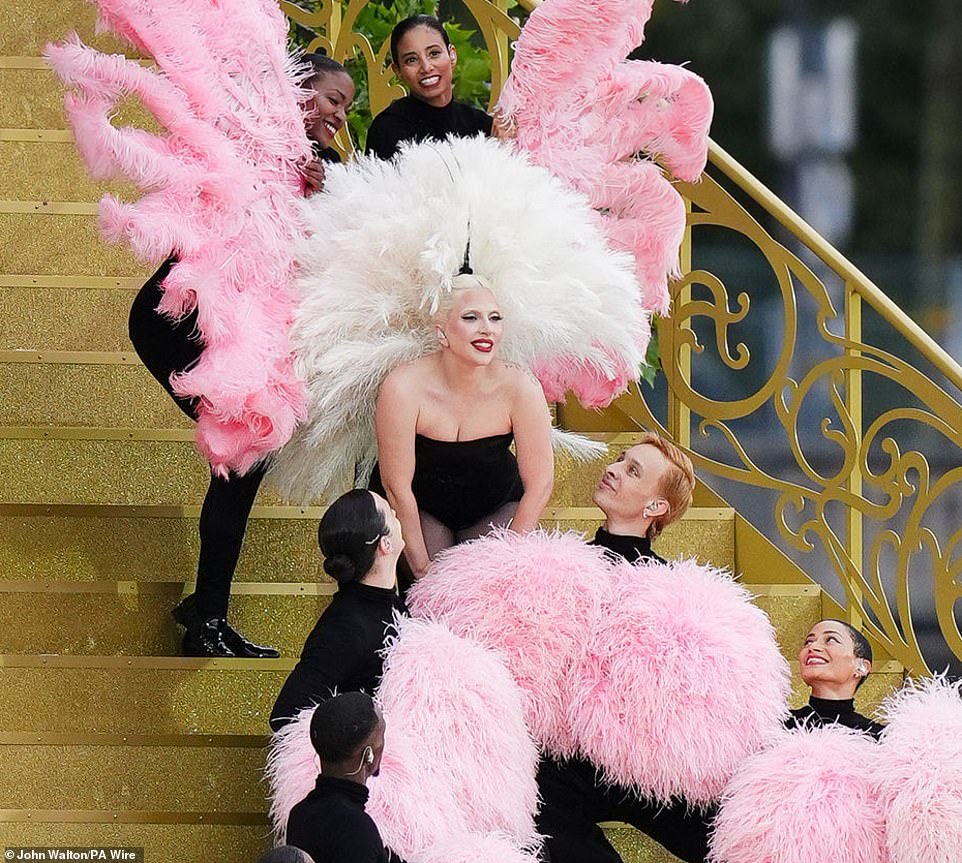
(340, 567)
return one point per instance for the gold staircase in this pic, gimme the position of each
(107, 737)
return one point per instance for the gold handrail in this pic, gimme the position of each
(834, 259)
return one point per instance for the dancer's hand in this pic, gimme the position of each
(313, 173)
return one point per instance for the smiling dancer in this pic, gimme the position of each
(835, 660)
(444, 424)
(424, 59)
(167, 347)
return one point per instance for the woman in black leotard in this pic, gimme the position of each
(444, 425)
(166, 347)
(424, 60)
(835, 660)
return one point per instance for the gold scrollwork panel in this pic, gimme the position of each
(876, 474)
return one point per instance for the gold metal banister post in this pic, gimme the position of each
(675, 352)
(853, 404)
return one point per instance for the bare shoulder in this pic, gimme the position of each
(522, 384)
(407, 377)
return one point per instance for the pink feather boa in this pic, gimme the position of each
(221, 192)
(919, 772)
(809, 797)
(532, 599)
(459, 766)
(666, 677)
(583, 112)
(680, 680)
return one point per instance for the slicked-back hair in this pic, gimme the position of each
(320, 65)
(402, 28)
(860, 645)
(676, 485)
(348, 535)
(341, 724)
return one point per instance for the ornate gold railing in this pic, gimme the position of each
(874, 511)
(870, 511)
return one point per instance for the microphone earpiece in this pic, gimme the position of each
(368, 755)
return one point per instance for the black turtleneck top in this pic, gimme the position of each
(410, 119)
(331, 825)
(343, 651)
(829, 711)
(630, 548)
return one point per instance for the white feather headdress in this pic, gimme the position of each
(385, 241)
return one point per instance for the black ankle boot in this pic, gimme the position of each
(245, 647)
(185, 612)
(207, 639)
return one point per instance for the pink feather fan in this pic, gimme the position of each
(459, 767)
(809, 797)
(584, 112)
(220, 191)
(530, 597)
(680, 680)
(919, 772)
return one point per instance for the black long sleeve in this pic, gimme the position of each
(343, 651)
(410, 119)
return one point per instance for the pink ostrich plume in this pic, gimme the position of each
(532, 598)
(447, 702)
(809, 797)
(680, 680)
(599, 121)
(220, 192)
(919, 772)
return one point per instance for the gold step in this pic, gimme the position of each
(138, 695)
(145, 466)
(111, 618)
(78, 543)
(26, 26)
(148, 544)
(84, 394)
(51, 243)
(50, 171)
(80, 772)
(63, 318)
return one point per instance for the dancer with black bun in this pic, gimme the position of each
(424, 59)
(167, 347)
(835, 661)
(360, 538)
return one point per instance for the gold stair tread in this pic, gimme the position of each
(26, 27)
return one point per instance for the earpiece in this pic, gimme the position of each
(367, 758)
(441, 336)
(863, 668)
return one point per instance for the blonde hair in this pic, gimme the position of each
(461, 282)
(677, 484)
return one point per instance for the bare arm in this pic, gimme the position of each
(531, 423)
(395, 422)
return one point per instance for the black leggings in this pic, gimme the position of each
(165, 347)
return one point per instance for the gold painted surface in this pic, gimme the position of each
(636, 847)
(64, 319)
(33, 99)
(171, 778)
(51, 172)
(880, 483)
(100, 471)
(136, 700)
(162, 843)
(81, 395)
(57, 244)
(792, 617)
(707, 541)
(26, 26)
(149, 549)
(139, 624)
